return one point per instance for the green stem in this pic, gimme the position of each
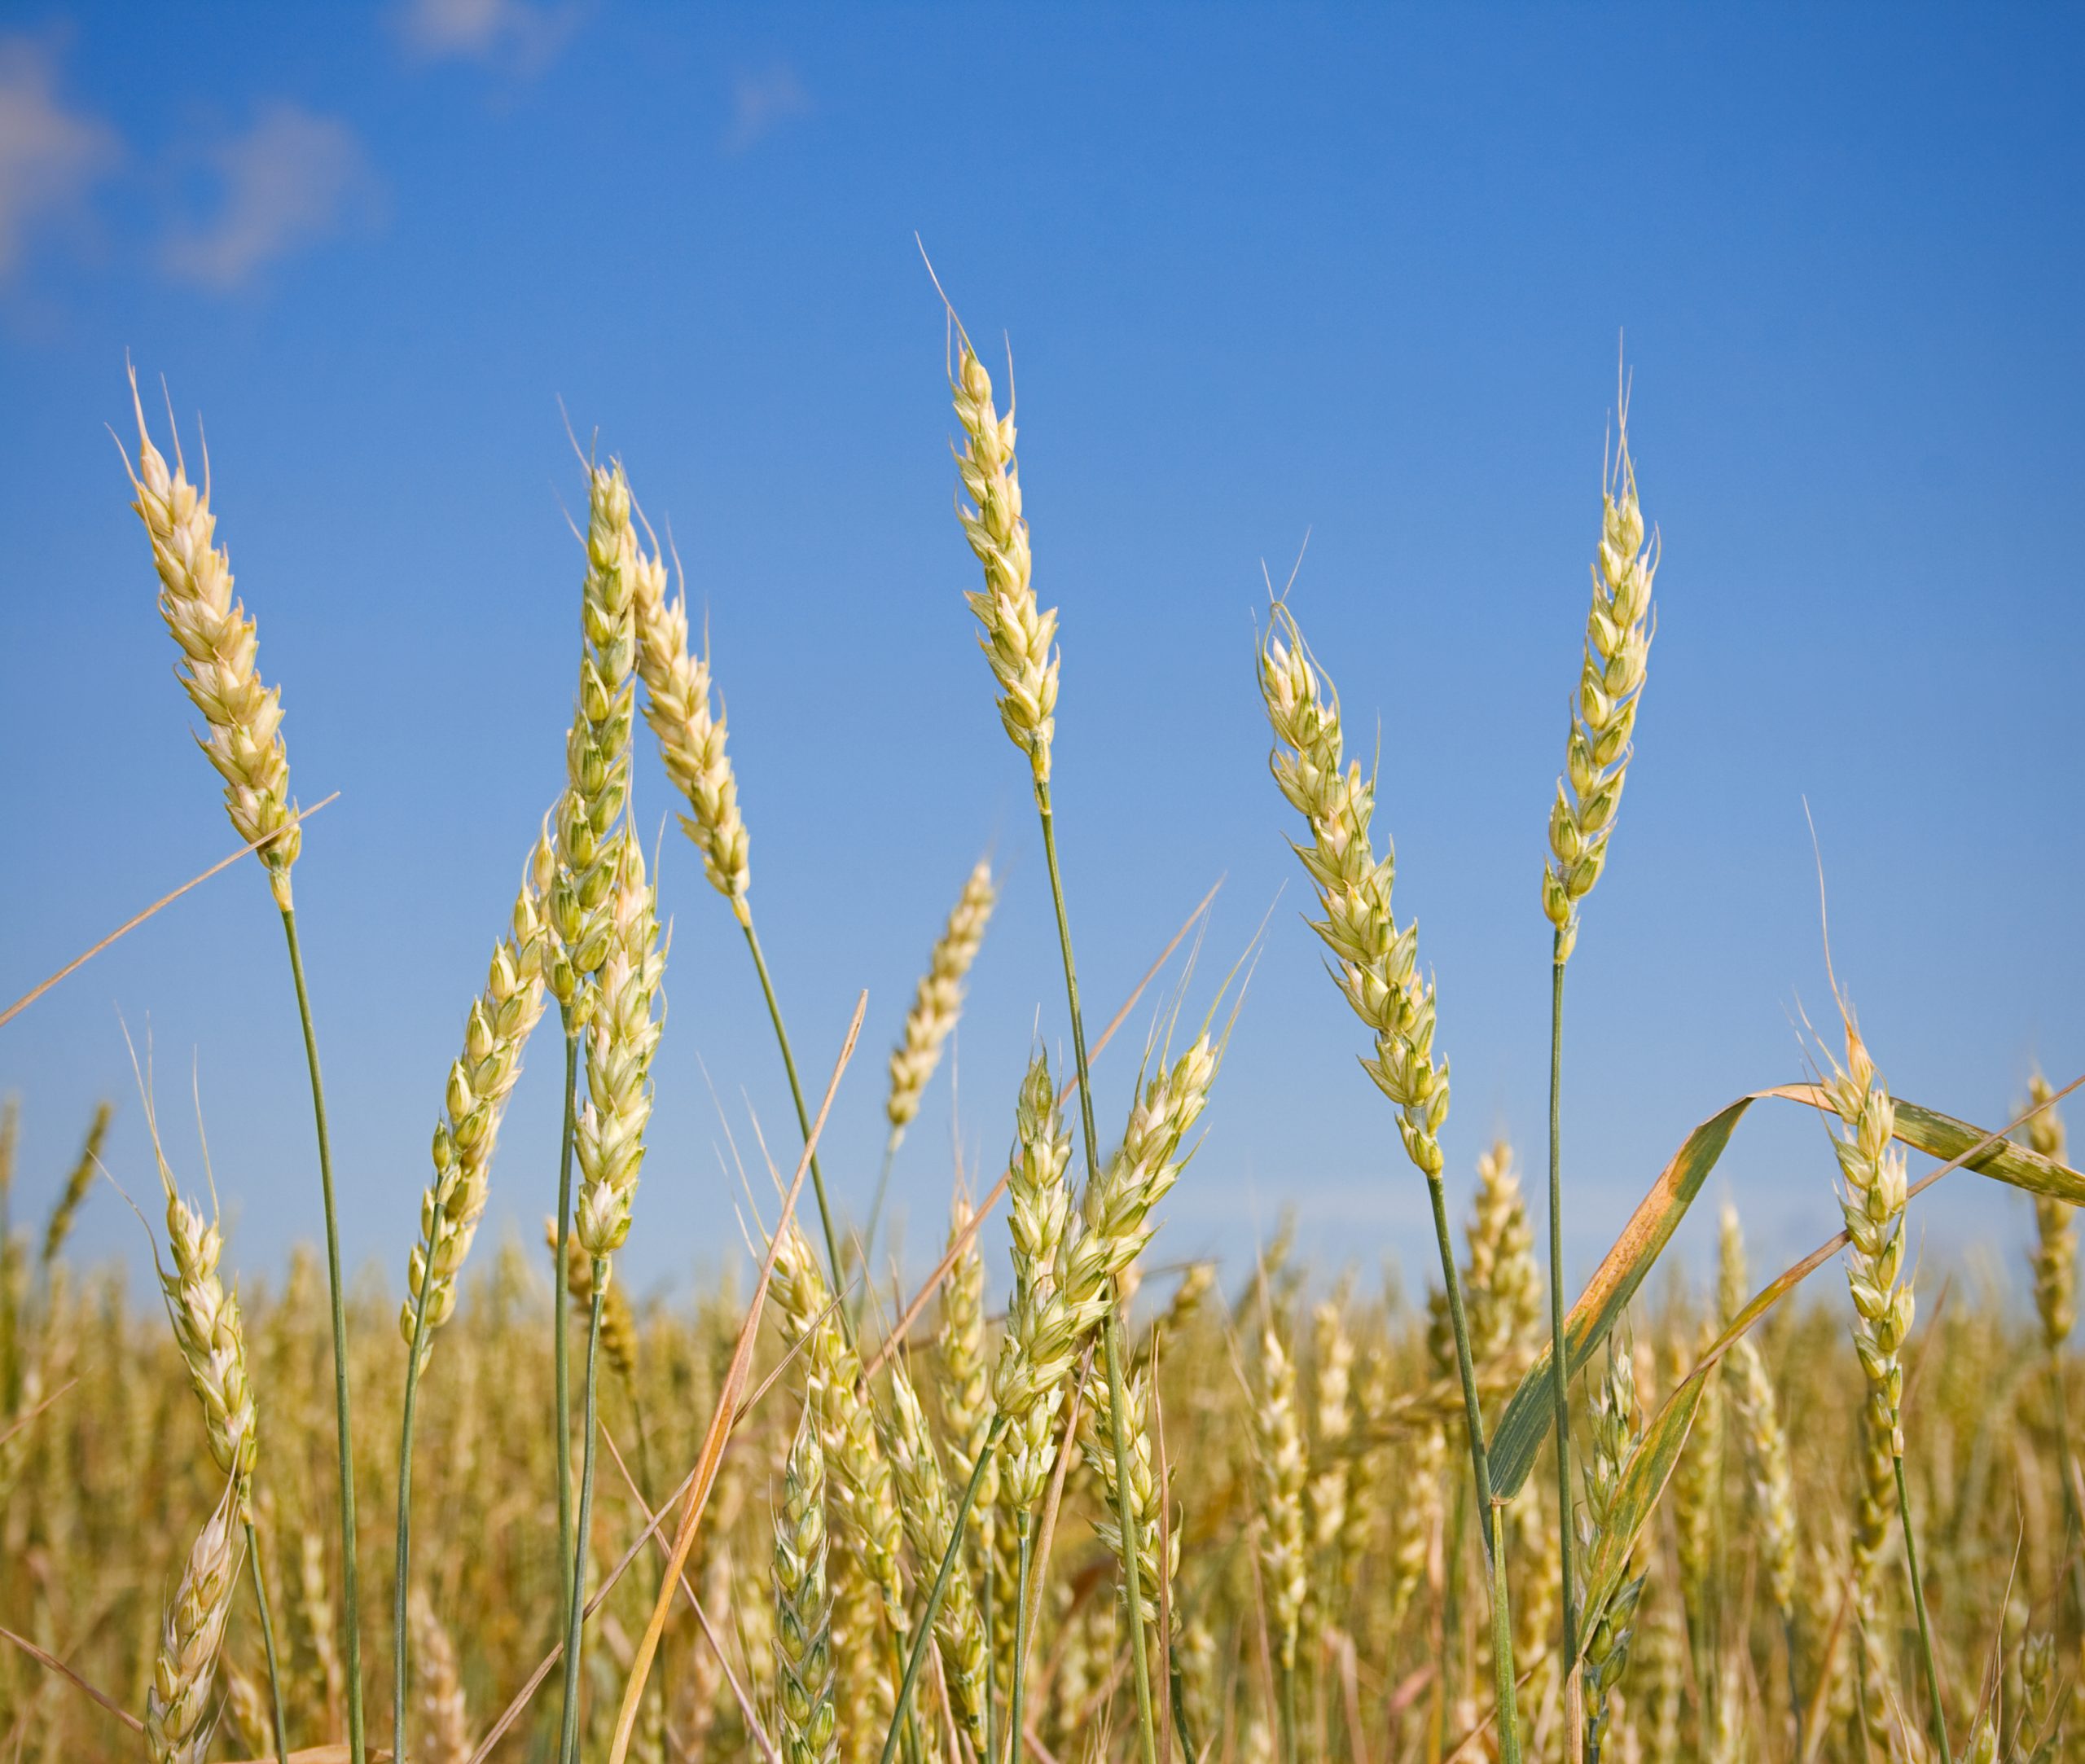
(1111, 1327)
(923, 1633)
(1918, 1604)
(401, 1672)
(1488, 1528)
(268, 1646)
(1181, 1726)
(1025, 1546)
(350, 1582)
(1560, 1364)
(560, 1297)
(803, 1114)
(569, 1745)
(1289, 1712)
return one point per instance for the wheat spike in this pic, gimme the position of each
(1503, 1281)
(608, 1140)
(67, 1209)
(938, 1002)
(618, 1324)
(216, 640)
(597, 750)
(1617, 1428)
(928, 1513)
(1034, 1358)
(678, 706)
(179, 1719)
(445, 1716)
(1604, 715)
(803, 1605)
(495, 1034)
(1378, 964)
(1144, 1493)
(1769, 1479)
(1018, 637)
(2054, 1255)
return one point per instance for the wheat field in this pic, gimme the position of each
(1072, 1495)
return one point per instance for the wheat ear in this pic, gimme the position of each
(1616, 1427)
(1278, 1428)
(217, 643)
(803, 1605)
(67, 1207)
(938, 1000)
(179, 1719)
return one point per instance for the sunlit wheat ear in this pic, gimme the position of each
(2054, 1255)
(1279, 1430)
(180, 1708)
(803, 1605)
(1037, 1350)
(1616, 1427)
(1769, 1481)
(678, 691)
(444, 1721)
(929, 1511)
(1018, 637)
(1145, 1494)
(495, 1034)
(609, 1139)
(597, 749)
(1603, 715)
(1872, 1200)
(242, 718)
(863, 1494)
(938, 1002)
(208, 1330)
(1377, 964)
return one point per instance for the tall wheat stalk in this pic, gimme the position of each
(1581, 822)
(217, 642)
(1378, 974)
(1018, 639)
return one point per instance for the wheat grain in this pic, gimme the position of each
(179, 1720)
(803, 1605)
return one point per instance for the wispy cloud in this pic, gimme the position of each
(524, 36)
(760, 102)
(291, 180)
(50, 155)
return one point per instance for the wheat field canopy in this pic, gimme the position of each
(1070, 1495)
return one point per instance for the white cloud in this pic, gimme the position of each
(50, 157)
(760, 102)
(525, 35)
(293, 179)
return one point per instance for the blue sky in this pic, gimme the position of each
(1358, 273)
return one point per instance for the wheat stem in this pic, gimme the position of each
(1488, 1531)
(350, 1586)
(1559, 1362)
(1111, 1327)
(1026, 1544)
(803, 1116)
(569, 1745)
(401, 1653)
(268, 1646)
(1918, 1604)
(560, 1350)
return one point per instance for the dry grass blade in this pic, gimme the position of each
(131, 924)
(960, 1240)
(720, 1426)
(652, 1522)
(53, 1663)
(21, 1421)
(1525, 1423)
